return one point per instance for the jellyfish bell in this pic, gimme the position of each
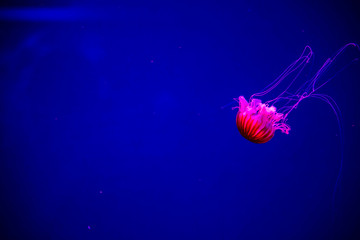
(257, 122)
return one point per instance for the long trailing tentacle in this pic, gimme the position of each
(298, 63)
(338, 115)
(309, 88)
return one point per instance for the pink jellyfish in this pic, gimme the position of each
(257, 121)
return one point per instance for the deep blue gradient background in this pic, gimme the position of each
(112, 126)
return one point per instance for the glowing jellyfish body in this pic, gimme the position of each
(257, 121)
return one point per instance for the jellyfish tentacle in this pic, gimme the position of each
(331, 102)
(298, 63)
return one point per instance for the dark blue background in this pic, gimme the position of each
(112, 126)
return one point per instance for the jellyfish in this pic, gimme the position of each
(258, 121)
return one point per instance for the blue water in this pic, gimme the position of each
(112, 124)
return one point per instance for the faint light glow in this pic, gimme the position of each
(45, 14)
(89, 227)
(100, 191)
(151, 61)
